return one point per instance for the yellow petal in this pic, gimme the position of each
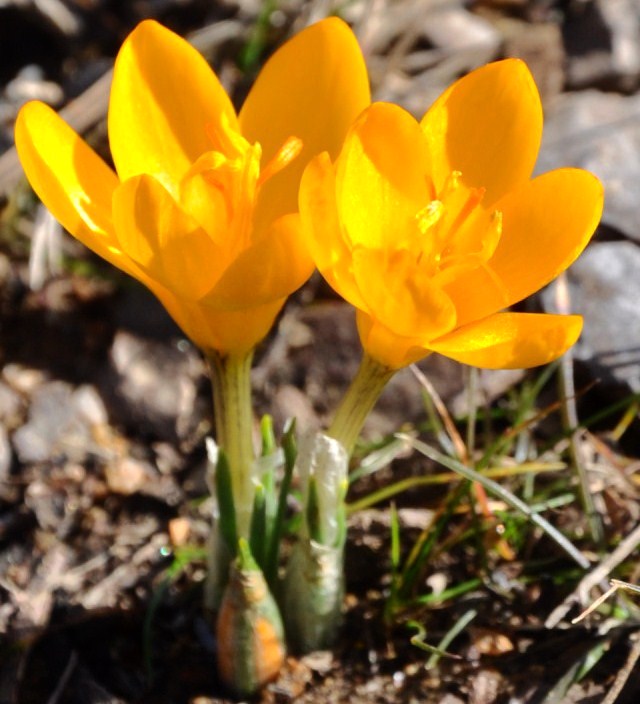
(546, 225)
(382, 177)
(222, 330)
(313, 87)
(80, 185)
(69, 177)
(163, 98)
(322, 231)
(271, 269)
(511, 340)
(387, 347)
(400, 294)
(241, 330)
(166, 243)
(208, 203)
(488, 125)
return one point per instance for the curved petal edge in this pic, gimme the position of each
(511, 340)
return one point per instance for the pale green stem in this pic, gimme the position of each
(360, 398)
(231, 380)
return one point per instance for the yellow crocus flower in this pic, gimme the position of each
(202, 205)
(432, 229)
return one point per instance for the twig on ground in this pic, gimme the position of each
(67, 22)
(452, 431)
(595, 577)
(593, 606)
(570, 419)
(625, 672)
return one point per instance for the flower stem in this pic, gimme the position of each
(230, 377)
(360, 398)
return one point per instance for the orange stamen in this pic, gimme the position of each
(475, 197)
(283, 157)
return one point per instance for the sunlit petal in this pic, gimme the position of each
(262, 273)
(322, 231)
(167, 243)
(488, 125)
(226, 331)
(401, 295)
(207, 205)
(386, 346)
(69, 177)
(511, 340)
(547, 223)
(163, 98)
(312, 88)
(380, 189)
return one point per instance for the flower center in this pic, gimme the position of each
(221, 187)
(455, 230)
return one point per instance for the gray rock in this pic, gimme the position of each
(415, 49)
(622, 17)
(602, 40)
(30, 84)
(11, 406)
(604, 286)
(47, 504)
(599, 132)
(290, 402)
(153, 386)
(454, 28)
(60, 421)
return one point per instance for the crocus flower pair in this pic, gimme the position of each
(429, 229)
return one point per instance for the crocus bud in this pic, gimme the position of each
(249, 629)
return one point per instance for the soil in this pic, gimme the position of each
(104, 411)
